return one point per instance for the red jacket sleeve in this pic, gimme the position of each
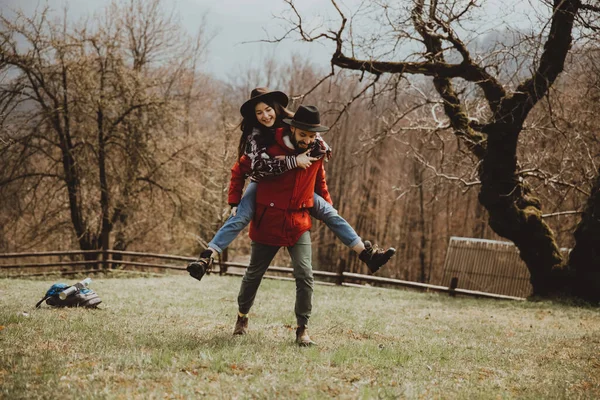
(321, 185)
(239, 172)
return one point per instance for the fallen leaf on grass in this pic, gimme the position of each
(190, 373)
(236, 369)
(485, 373)
(583, 385)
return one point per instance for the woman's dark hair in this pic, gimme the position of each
(249, 122)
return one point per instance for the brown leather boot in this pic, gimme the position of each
(302, 338)
(241, 326)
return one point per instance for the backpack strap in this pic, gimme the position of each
(39, 303)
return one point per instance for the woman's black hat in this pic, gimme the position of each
(261, 94)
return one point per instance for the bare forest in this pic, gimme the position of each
(111, 137)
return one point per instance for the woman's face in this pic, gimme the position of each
(265, 114)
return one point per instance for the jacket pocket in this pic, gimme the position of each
(261, 215)
(270, 222)
(301, 219)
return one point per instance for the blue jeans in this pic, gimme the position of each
(321, 210)
(325, 212)
(236, 223)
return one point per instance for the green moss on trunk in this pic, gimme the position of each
(516, 214)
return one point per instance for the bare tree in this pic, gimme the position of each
(89, 110)
(439, 35)
(573, 167)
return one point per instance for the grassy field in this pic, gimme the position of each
(170, 337)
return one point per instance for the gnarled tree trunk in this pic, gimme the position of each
(514, 213)
(584, 259)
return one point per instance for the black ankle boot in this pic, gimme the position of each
(375, 257)
(198, 268)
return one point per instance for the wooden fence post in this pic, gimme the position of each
(224, 257)
(340, 272)
(453, 286)
(105, 256)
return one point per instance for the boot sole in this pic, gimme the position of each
(306, 344)
(388, 255)
(195, 271)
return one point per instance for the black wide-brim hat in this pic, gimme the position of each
(263, 94)
(308, 119)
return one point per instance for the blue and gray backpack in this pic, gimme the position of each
(81, 298)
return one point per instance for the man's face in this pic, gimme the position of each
(302, 140)
(265, 114)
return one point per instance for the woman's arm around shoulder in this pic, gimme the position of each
(261, 163)
(321, 148)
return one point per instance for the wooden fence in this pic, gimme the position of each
(487, 265)
(86, 262)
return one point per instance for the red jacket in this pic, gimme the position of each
(282, 201)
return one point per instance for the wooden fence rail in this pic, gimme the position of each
(99, 261)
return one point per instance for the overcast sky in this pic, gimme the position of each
(233, 22)
(237, 21)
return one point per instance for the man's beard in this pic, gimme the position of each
(297, 147)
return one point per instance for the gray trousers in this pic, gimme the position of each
(261, 257)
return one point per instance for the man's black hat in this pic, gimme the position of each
(308, 119)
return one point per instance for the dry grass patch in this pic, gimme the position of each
(170, 337)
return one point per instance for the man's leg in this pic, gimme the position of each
(260, 258)
(301, 254)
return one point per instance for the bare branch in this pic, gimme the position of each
(353, 99)
(550, 66)
(558, 214)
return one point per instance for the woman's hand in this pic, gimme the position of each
(304, 160)
(233, 211)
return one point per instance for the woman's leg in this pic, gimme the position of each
(371, 255)
(325, 212)
(229, 231)
(236, 223)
